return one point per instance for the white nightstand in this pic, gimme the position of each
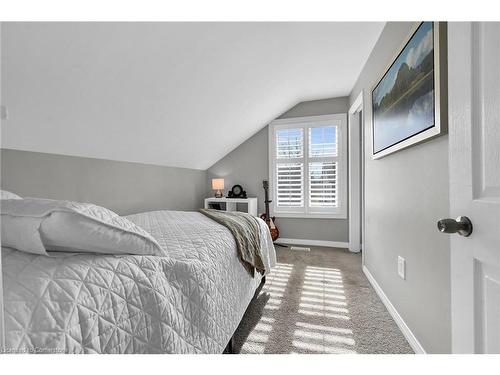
(231, 203)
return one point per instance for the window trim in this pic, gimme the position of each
(339, 212)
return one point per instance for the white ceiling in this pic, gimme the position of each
(175, 94)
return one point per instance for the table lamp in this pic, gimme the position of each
(218, 185)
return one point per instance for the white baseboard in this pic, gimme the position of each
(298, 241)
(408, 334)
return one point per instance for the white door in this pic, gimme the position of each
(474, 147)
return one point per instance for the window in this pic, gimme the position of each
(308, 166)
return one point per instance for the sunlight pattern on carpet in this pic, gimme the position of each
(323, 299)
(275, 287)
(322, 313)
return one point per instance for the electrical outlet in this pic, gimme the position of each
(402, 267)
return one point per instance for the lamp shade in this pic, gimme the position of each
(218, 184)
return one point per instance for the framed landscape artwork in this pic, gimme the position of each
(408, 99)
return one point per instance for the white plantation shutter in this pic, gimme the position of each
(323, 151)
(290, 143)
(323, 184)
(290, 167)
(323, 141)
(290, 185)
(308, 166)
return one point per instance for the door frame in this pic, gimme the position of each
(356, 190)
(2, 324)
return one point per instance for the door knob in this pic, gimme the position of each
(462, 225)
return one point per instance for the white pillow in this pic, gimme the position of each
(37, 225)
(8, 195)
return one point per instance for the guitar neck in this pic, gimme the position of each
(266, 201)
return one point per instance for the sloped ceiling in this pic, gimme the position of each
(174, 94)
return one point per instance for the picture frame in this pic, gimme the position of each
(409, 102)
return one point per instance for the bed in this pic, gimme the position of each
(189, 301)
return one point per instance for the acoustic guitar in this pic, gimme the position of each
(275, 233)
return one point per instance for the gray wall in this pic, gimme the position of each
(120, 186)
(405, 194)
(247, 165)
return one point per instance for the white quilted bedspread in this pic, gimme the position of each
(189, 301)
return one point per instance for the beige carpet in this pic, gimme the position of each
(318, 302)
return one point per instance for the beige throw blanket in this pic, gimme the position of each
(245, 229)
